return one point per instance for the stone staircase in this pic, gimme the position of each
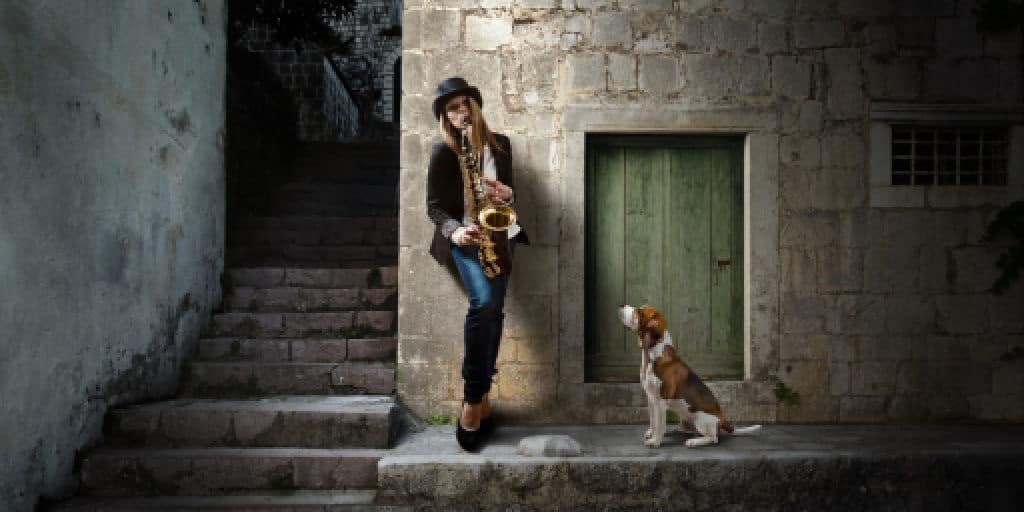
(288, 403)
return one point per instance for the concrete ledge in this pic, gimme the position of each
(782, 467)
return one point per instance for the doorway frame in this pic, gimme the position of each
(748, 399)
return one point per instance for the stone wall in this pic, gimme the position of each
(869, 308)
(111, 218)
(371, 17)
(302, 75)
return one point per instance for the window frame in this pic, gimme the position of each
(883, 194)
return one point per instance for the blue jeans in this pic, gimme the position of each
(482, 331)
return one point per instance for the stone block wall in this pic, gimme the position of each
(111, 218)
(365, 25)
(870, 313)
(302, 75)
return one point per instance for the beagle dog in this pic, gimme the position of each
(670, 384)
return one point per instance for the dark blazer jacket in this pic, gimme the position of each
(445, 203)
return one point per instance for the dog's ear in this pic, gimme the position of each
(655, 330)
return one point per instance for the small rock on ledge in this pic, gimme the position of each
(549, 446)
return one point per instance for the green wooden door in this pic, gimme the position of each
(664, 227)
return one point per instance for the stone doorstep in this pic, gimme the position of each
(213, 471)
(798, 467)
(295, 421)
(296, 350)
(299, 501)
(271, 277)
(217, 379)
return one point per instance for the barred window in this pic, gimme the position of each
(949, 155)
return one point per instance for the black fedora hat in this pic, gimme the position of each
(453, 87)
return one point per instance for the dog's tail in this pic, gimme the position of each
(746, 430)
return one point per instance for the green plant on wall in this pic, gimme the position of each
(441, 419)
(293, 22)
(1009, 221)
(994, 16)
(786, 395)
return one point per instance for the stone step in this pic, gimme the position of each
(317, 172)
(337, 193)
(273, 277)
(287, 255)
(297, 501)
(239, 237)
(293, 298)
(371, 185)
(288, 421)
(217, 379)
(297, 350)
(346, 324)
(323, 201)
(277, 262)
(312, 221)
(347, 205)
(216, 471)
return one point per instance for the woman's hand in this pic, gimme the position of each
(499, 191)
(469, 235)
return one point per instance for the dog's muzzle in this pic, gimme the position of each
(627, 314)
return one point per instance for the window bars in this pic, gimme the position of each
(949, 155)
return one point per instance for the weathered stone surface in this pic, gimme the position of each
(729, 34)
(549, 446)
(487, 33)
(658, 74)
(791, 76)
(846, 89)
(436, 32)
(212, 471)
(586, 72)
(297, 501)
(307, 422)
(622, 72)
(242, 379)
(962, 314)
(622, 474)
(612, 30)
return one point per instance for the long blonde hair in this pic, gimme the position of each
(480, 132)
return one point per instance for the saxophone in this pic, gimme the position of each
(490, 216)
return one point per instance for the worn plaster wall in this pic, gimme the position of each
(869, 303)
(111, 218)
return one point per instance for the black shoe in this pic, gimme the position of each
(487, 426)
(469, 440)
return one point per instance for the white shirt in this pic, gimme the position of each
(491, 172)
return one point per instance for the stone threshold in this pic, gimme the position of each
(782, 467)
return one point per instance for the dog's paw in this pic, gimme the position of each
(648, 434)
(693, 443)
(652, 443)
